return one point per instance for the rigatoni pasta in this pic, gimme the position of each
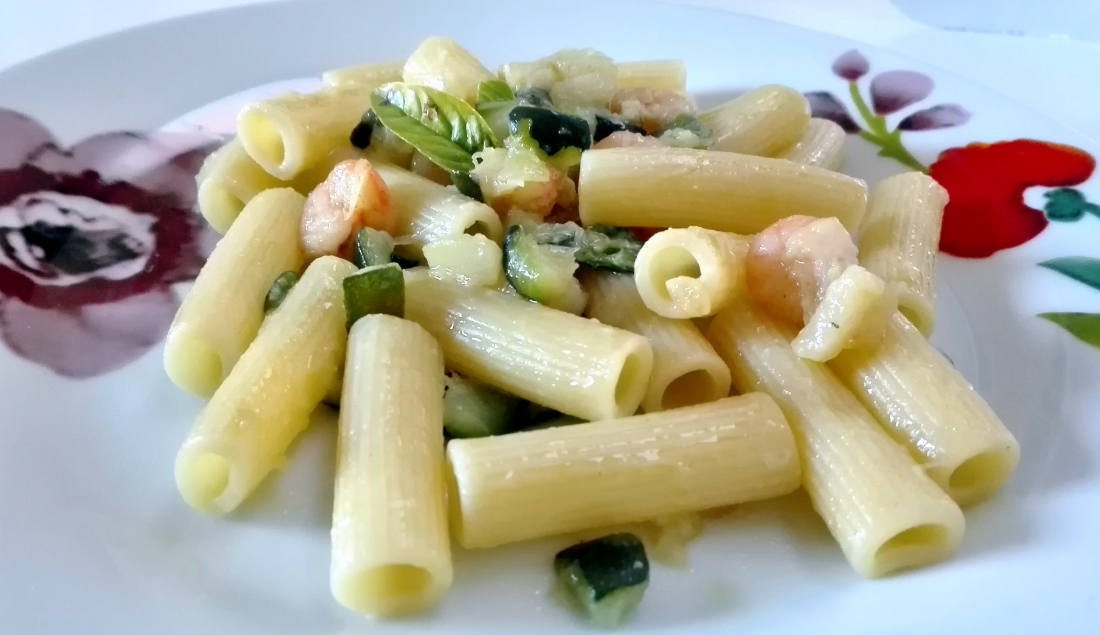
(243, 434)
(686, 370)
(679, 187)
(442, 64)
(371, 75)
(823, 144)
(878, 504)
(391, 550)
(690, 273)
(290, 133)
(222, 313)
(854, 312)
(428, 212)
(762, 122)
(899, 239)
(227, 181)
(927, 405)
(606, 473)
(655, 74)
(555, 359)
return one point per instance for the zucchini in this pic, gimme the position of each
(607, 124)
(612, 248)
(361, 133)
(377, 289)
(687, 131)
(534, 96)
(553, 131)
(279, 290)
(599, 246)
(472, 409)
(372, 248)
(605, 578)
(543, 273)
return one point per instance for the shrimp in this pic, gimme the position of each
(651, 109)
(627, 139)
(352, 197)
(792, 262)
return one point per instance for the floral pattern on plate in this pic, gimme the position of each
(986, 182)
(91, 239)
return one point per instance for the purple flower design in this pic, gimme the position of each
(91, 239)
(891, 92)
(942, 116)
(851, 65)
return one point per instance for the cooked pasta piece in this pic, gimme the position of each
(443, 64)
(227, 181)
(823, 144)
(679, 187)
(885, 512)
(244, 432)
(762, 122)
(686, 370)
(474, 261)
(899, 239)
(561, 361)
(557, 480)
(854, 312)
(293, 132)
(391, 552)
(690, 273)
(372, 75)
(222, 313)
(428, 212)
(655, 74)
(926, 405)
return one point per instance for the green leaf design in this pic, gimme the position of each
(1083, 326)
(1066, 204)
(494, 92)
(443, 128)
(1080, 268)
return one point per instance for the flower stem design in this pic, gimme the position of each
(888, 141)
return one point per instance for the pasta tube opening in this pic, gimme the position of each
(689, 273)
(916, 546)
(695, 387)
(192, 363)
(388, 589)
(673, 272)
(980, 475)
(266, 142)
(203, 478)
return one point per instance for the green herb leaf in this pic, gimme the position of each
(467, 185)
(1083, 326)
(1080, 268)
(494, 93)
(280, 289)
(378, 289)
(443, 128)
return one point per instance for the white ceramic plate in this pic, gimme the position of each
(94, 537)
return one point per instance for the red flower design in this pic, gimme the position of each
(91, 239)
(986, 183)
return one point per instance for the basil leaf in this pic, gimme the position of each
(443, 128)
(493, 93)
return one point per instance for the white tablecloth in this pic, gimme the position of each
(1056, 76)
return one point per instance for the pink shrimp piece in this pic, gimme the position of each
(627, 139)
(651, 109)
(792, 262)
(352, 197)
